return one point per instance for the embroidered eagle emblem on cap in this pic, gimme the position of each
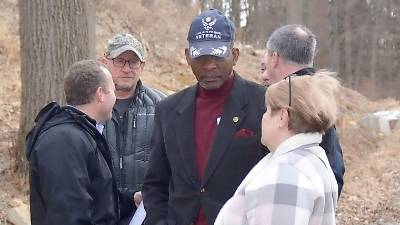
(208, 23)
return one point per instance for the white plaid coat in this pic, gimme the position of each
(292, 186)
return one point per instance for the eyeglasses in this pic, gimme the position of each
(289, 77)
(133, 64)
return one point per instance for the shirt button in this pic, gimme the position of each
(202, 190)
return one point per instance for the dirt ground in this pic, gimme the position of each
(371, 193)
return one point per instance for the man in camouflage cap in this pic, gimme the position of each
(129, 131)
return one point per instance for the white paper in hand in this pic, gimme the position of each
(139, 216)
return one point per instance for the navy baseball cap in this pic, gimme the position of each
(211, 33)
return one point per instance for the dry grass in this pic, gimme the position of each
(9, 67)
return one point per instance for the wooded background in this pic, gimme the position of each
(39, 39)
(359, 39)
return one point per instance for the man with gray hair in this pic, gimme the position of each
(291, 50)
(130, 129)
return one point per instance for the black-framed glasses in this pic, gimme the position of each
(133, 64)
(289, 78)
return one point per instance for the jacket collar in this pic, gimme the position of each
(51, 112)
(139, 87)
(77, 114)
(236, 94)
(138, 91)
(296, 141)
(45, 114)
(305, 71)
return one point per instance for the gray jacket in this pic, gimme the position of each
(129, 137)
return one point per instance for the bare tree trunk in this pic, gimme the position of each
(202, 4)
(259, 26)
(374, 54)
(306, 12)
(348, 47)
(54, 34)
(333, 36)
(208, 4)
(340, 15)
(235, 12)
(358, 65)
(217, 4)
(295, 11)
(319, 9)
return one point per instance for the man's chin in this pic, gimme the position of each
(210, 87)
(124, 88)
(211, 84)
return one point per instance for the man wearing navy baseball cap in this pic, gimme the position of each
(211, 33)
(206, 137)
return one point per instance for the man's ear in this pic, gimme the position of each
(275, 59)
(99, 94)
(235, 54)
(142, 64)
(187, 56)
(102, 60)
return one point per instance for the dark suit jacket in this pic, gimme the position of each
(330, 143)
(172, 191)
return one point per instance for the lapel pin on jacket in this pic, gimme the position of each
(235, 119)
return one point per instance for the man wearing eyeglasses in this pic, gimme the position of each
(291, 51)
(129, 131)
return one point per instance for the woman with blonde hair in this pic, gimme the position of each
(294, 184)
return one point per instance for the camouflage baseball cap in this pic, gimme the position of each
(124, 42)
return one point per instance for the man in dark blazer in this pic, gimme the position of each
(207, 136)
(291, 50)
